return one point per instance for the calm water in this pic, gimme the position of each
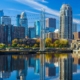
(31, 67)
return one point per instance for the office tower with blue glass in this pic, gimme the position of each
(50, 24)
(66, 22)
(24, 22)
(1, 14)
(18, 20)
(32, 33)
(37, 26)
(5, 20)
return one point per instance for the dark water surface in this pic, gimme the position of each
(33, 67)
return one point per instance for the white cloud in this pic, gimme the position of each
(22, 11)
(38, 6)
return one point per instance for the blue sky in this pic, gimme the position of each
(33, 9)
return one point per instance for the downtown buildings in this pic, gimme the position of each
(66, 22)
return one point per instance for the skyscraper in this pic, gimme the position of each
(32, 32)
(1, 14)
(24, 23)
(66, 22)
(51, 22)
(6, 20)
(37, 26)
(18, 20)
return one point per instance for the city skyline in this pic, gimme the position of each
(34, 6)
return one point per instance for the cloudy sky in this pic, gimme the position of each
(33, 9)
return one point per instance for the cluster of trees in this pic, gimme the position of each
(2, 45)
(27, 43)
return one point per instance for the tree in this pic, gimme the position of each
(15, 41)
(48, 42)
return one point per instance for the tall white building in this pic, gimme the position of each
(24, 23)
(6, 20)
(66, 22)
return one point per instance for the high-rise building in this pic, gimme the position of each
(18, 32)
(24, 22)
(6, 20)
(65, 70)
(32, 33)
(74, 27)
(18, 20)
(1, 14)
(66, 22)
(37, 26)
(50, 24)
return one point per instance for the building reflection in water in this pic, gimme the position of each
(43, 64)
(10, 63)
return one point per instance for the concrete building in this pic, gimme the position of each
(65, 71)
(37, 27)
(18, 20)
(76, 35)
(1, 14)
(5, 20)
(32, 33)
(18, 32)
(66, 22)
(52, 35)
(24, 22)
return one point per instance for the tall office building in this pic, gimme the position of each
(32, 33)
(24, 23)
(37, 26)
(50, 24)
(1, 14)
(66, 22)
(18, 20)
(74, 27)
(66, 69)
(6, 20)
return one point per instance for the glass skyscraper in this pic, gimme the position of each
(66, 22)
(18, 20)
(37, 26)
(24, 23)
(1, 14)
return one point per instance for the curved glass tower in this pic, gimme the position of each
(66, 22)
(23, 22)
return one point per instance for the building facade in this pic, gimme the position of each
(37, 26)
(10, 32)
(52, 35)
(66, 22)
(18, 20)
(18, 33)
(24, 22)
(5, 20)
(76, 35)
(1, 14)
(74, 27)
(32, 33)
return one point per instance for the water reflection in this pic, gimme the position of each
(39, 67)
